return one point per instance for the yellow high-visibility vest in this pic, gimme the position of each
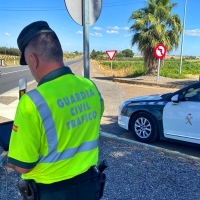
(58, 126)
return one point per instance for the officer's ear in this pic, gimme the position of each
(34, 60)
(31, 58)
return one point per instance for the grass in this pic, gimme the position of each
(136, 68)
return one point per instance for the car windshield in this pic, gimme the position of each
(165, 95)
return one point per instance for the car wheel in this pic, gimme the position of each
(144, 127)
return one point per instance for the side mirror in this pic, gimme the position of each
(175, 98)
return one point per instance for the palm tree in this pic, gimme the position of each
(155, 24)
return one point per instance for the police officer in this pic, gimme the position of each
(55, 134)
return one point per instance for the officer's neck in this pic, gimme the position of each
(46, 68)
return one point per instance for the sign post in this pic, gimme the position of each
(111, 54)
(86, 39)
(84, 13)
(159, 52)
(22, 87)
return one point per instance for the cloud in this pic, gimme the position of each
(118, 28)
(195, 32)
(127, 35)
(8, 34)
(126, 28)
(97, 28)
(113, 27)
(112, 32)
(79, 32)
(96, 34)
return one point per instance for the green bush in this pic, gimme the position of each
(169, 69)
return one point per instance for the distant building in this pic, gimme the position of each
(137, 56)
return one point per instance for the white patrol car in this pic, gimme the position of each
(168, 116)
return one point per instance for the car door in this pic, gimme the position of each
(181, 118)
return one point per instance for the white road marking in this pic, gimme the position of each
(103, 81)
(14, 71)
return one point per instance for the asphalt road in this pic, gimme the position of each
(11, 75)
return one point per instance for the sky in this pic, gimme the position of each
(109, 32)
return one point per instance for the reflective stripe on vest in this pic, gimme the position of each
(51, 135)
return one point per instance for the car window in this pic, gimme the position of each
(193, 94)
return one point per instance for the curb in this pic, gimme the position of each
(166, 151)
(148, 83)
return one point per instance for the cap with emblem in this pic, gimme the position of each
(28, 33)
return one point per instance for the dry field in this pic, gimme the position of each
(106, 70)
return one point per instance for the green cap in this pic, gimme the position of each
(28, 33)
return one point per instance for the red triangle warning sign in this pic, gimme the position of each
(111, 54)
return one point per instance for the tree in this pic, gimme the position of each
(155, 24)
(128, 53)
(96, 54)
(10, 51)
(119, 55)
(93, 54)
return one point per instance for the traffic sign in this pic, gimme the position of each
(160, 51)
(75, 9)
(111, 54)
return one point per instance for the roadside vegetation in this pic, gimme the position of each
(11, 56)
(136, 68)
(71, 55)
(125, 65)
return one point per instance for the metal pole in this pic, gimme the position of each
(5, 51)
(182, 38)
(111, 68)
(85, 4)
(158, 71)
